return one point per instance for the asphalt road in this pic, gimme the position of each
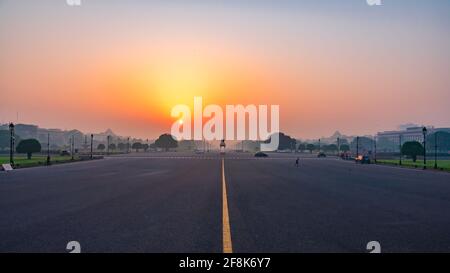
(173, 203)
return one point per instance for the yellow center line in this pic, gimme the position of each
(226, 232)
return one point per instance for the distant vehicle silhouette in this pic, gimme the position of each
(321, 154)
(64, 153)
(261, 154)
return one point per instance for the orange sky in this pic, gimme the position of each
(124, 65)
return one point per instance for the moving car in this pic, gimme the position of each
(363, 159)
(321, 154)
(261, 154)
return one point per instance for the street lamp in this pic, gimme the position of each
(424, 131)
(357, 146)
(339, 146)
(48, 149)
(92, 146)
(435, 149)
(11, 142)
(400, 146)
(72, 150)
(128, 145)
(107, 143)
(319, 145)
(375, 149)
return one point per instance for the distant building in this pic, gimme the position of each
(389, 141)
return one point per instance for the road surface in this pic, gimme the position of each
(174, 202)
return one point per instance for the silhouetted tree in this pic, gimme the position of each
(101, 147)
(112, 146)
(121, 146)
(166, 141)
(136, 146)
(330, 148)
(301, 147)
(345, 148)
(28, 146)
(285, 142)
(412, 149)
(145, 147)
(310, 147)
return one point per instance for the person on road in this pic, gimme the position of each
(297, 161)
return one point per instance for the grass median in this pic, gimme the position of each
(443, 165)
(37, 160)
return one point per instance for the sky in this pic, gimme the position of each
(330, 65)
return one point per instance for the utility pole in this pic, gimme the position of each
(400, 146)
(72, 150)
(435, 149)
(357, 146)
(92, 146)
(339, 146)
(424, 131)
(11, 144)
(107, 143)
(375, 152)
(48, 149)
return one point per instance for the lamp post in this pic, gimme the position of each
(435, 149)
(11, 142)
(339, 146)
(319, 146)
(48, 149)
(424, 131)
(128, 145)
(357, 146)
(92, 146)
(72, 150)
(400, 146)
(375, 150)
(107, 143)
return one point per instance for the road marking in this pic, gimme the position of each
(226, 232)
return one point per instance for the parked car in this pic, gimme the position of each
(64, 153)
(321, 154)
(261, 154)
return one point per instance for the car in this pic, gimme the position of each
(363, 159)
(64, 153)
(321, 154)
(261, 154)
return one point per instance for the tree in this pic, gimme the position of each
(28, 146)
(145, 147)
(137, 146)
(412, 149)
(285, 142)
(345, 148)
(331, 148)
(101, 147)
(310, 147)
(301, 147)
(166, 141)
(122, 146)
(112, 146)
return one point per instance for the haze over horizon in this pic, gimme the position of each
(330, 65)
